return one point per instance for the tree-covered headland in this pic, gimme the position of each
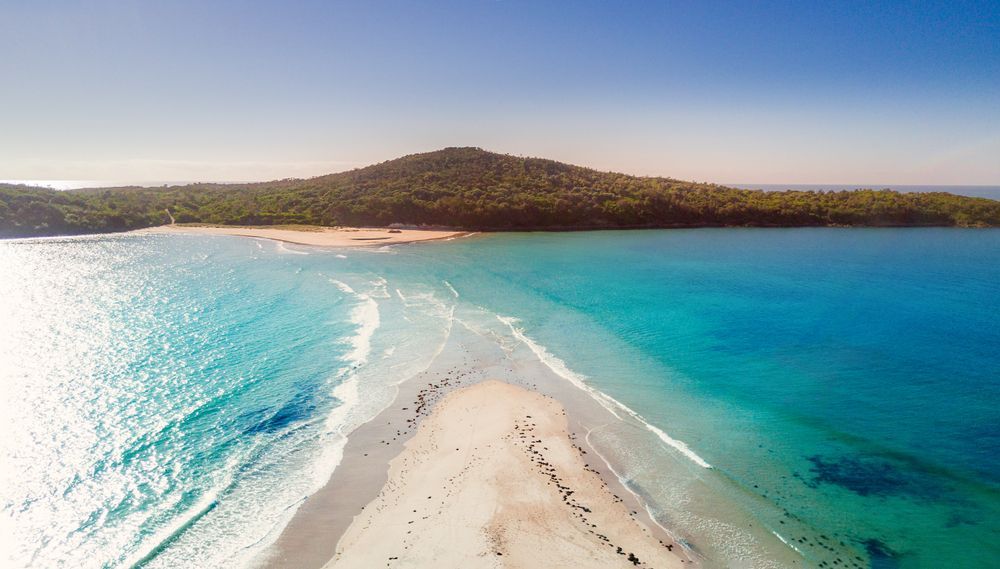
(475, 189)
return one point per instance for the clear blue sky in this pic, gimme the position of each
(761, 92)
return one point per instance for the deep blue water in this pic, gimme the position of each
(162, 389)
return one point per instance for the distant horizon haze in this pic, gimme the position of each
(987, 190)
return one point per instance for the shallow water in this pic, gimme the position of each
(174, 398)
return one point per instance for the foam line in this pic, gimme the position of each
(167, 535)
(638, 498)
(344, 287)
(281, 247)
(610, 403)
(366, 316)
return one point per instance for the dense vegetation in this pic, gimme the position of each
(472, 188)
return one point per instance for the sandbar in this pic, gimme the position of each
(314, 235)
(494, 478)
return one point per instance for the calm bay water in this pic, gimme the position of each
(172, 399)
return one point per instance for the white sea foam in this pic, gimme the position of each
(381, 288)
(639, 498)
(451, 288)
(339, 256)
(344, 287)
(610, 403)
(464, 235)
(348, 395)
(284, 249)
(319, 470)
(154, 543)
(339, 422)
(788, 543)
(366, 316)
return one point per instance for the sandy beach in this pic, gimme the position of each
(493, 478)
(315, 235)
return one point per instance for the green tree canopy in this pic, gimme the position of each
(475, 189)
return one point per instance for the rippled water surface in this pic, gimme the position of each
(172, 399)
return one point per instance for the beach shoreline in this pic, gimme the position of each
(315, 535)
(494, 477)
(311, 537)
(701, 520)
(478, 350)
(315, 236)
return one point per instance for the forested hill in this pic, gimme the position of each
(475, 189)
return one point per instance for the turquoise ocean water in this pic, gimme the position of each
(172, 399)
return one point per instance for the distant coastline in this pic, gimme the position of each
(969, 190)
(313, 235)
(991, 192)
(474, 189)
